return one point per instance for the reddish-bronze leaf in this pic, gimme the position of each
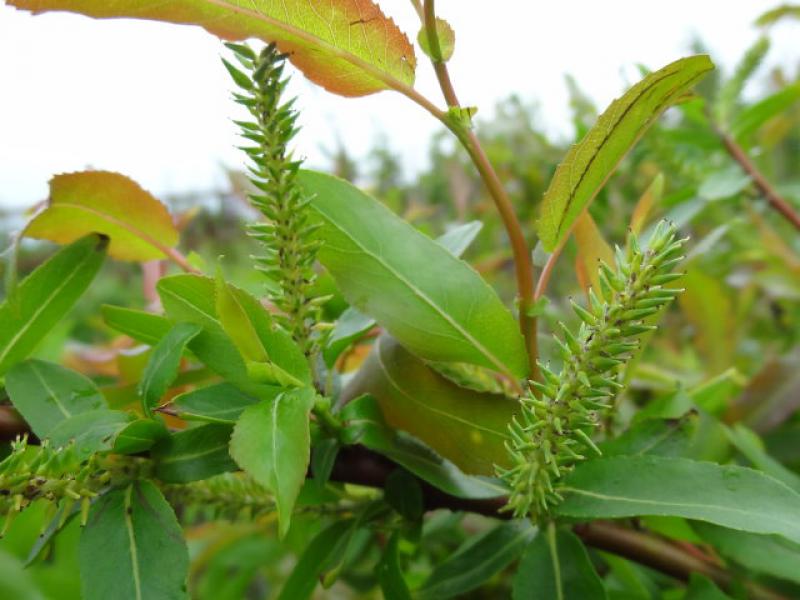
(349, 47)
(138, 224)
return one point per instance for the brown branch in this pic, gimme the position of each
(358, 465)
(764, 186)
(662, 555)
(12, 425)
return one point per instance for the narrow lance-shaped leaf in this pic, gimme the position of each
(348, 47)
(162, 368)
(138, 224)
(769, 554)
(133, 547)
(588, 164)
(327, 547)
(353, 324)
(556, 565)
(271, 355)
(271, 442)
(219, 403)
(194, 454)
(731, 496)
(140, 325)
(477, 560)
(436, 305)
(47, 394)
(44, 297)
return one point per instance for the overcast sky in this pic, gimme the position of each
(152, 100)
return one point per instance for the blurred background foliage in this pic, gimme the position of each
(729, 347)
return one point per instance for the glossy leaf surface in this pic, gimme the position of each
(133, 547)
(464, 426)
(432, 302)
(730, 496)
(42, 299)
(271, 442)
(589, 163)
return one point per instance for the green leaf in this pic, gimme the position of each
(271, 442)
(349, 47)
(589, 164)
(702, 588)
(140, 325)
(162, 368)
(323, 551)
(767, 554)
(138, 436)
(445, 41)
(90, 432)
(349, 328)
(466, 427)
(731, 496)
(566, 574)
(218, 403)
(751, 446)
(724, 183)
(403, 493)
(194, 454)
(43, 298)
(47, 394)
(132, 547)
(390, 576)
(752, 117)
(459, 237)
(478, 559)
(774, 15)
(662, 437)
(408, 282)
(365, 426)
(139, 226)
(352, 324)
(15, 581)
(259, 340)
(191, 298)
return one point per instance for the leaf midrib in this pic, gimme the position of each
(647, 501)
(459, 329)
(426, 407)
(31, 321)
(127, 513)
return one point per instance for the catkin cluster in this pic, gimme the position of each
(290, 251)
(55, 475)
(558, 416)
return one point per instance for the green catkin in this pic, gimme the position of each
(558, 416)
(57, 476)
(290, 251)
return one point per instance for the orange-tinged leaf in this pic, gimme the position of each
(592, 248)
(644, 206)
(80, 203)
(467, 427)
(349, 47)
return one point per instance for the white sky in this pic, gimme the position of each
(152, 100)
